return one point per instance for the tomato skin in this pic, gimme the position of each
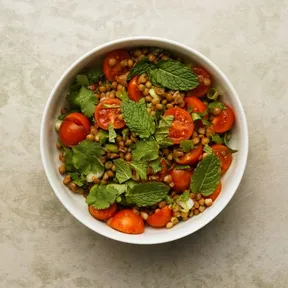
(181, 179)
(160, 218)
(74, 129)
(106, 116)
(201, 89)
(216, 193)
(225, 160)
(191, 157)
(133, 92)
(127, 221)
(182, 126)
(196, 104)
(116, 70)
(224, 121)
(103, 214)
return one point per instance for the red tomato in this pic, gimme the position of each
(224, 121)
(191, 157)
(196, 104)
(216, 193)
(133, 92)
(127, 221)
(201, 89)
(74, 129)
(181, 179)
(117, 69)
(224, 156)
(106, 116)
(103, 214)
(160, 218)
(161, 174)
(182, 126)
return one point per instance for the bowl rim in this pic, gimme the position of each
(244, 148)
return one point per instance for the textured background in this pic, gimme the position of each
(42, 245)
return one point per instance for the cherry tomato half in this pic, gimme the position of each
(126, 221)
(133, 92)
(216, 193)
(103, 214)
(160, 218)
(204, 78)
(112, 71)
(182, 126)
(74, 129)
(224, 156)
(105, 116)
(224, 121)
(191, 157)
(181, 179)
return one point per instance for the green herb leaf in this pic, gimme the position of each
(156, 165)
(86, 157)
(217, 139)
(207, 149)
(206, 176)
(68, 154)
(182, 167)
(104, 136)
(206, 122)
(121, 188)
(82, 79)
(216, 104)
(147, 194)
(186, 145)
(112, 133)
(184, 197)
(227, 137)
(173, 75)
(141, 168)
(94, 74)
(102, 196)
(145, 150)
(142, 66)
(122, 95)
(168, 200)
(77, 178)
(123, 171)
(137, 118)
(162, 131)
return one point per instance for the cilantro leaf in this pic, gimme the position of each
(156, 165)
(94, 74)
(147, 194)
(182, 167)
(162, 131)
(141, 67)
(206, 176)
(77, 178)
(145, 150)
(173, 75)
(112, 133)
(123, 171)
(186, 145)
(82, 79)
(141, 168)
(68, 154)
(86, 157)
(102, 196)
(137, 118)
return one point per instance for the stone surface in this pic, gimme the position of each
(42, 245)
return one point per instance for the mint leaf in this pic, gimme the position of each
(173, 75)
(184, 197)
(122, 95)
(142, 66)
(162, 131)
(217, 139)
(102, 196)
(216, 104)
(186, 145)
(141, 168)
(123, 171)
(147, 194)
(182, 167)
(145, 150)
(227, 137)
(137, 118)
(206, 176)
(77, 178)
(112, 133)
(86, 157)
(82, 79)
(156, 165)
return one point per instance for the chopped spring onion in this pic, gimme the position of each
(153, 93)
(89, 177)
(213, 94)
(58, 124)
(226, 139)
(187, 205)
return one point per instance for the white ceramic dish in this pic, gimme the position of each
(76, 205)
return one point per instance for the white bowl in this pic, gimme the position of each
(76, 205)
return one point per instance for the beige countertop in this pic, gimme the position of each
(42, 245)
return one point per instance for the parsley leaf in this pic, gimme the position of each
(156, 165)
(162, 131)
(206, 176)
(86, 157)
(141, 67)
(141, 168)
(102, 196)
(148, 193)
(137, 118)
(123, 171)
(145, 150)
(112, 133)
(186, 145)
